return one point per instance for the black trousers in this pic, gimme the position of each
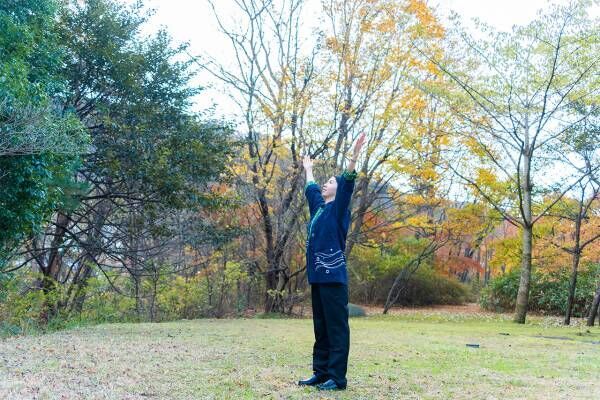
(332, 332)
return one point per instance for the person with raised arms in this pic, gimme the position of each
(327, 274)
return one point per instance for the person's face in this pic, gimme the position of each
(329, 188)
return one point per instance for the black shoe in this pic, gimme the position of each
(330, 385)
(312, 381)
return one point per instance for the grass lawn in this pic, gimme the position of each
(416, 355)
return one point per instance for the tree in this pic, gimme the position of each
(583, 140)
(595, 309)
(313, 94)
(151, 163)
(522, 86)
(272, 83)
(574, 228)
(39, 143)
(369, 87)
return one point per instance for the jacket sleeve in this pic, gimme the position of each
(344, 193)
(313, 194)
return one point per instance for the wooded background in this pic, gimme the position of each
(479, 182)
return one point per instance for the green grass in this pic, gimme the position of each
(412, 356)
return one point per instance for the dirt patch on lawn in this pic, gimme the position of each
(468, 308)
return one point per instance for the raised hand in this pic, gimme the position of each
(359, 144)
(307, 162)
(357, 148)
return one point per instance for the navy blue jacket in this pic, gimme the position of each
(327, 231)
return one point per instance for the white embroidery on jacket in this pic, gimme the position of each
(329, 260)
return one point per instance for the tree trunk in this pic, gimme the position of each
(573, 284)
(81, 285)
(526, 188)
(155, 279)
(94, 246)
(52, 270)
(525, 282)
(577, 250)
(595, 306)
(138, 298)
(275, 284)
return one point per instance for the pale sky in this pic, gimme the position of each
(193, 21)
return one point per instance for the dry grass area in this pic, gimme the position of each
(410, 354)
(468, 308)
(304, 310)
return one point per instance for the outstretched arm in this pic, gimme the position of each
(346, 185)
(311, 189)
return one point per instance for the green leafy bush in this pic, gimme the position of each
(21, 305)
(184, 299)
(373, 272)
(427, 287)
(548, 292)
